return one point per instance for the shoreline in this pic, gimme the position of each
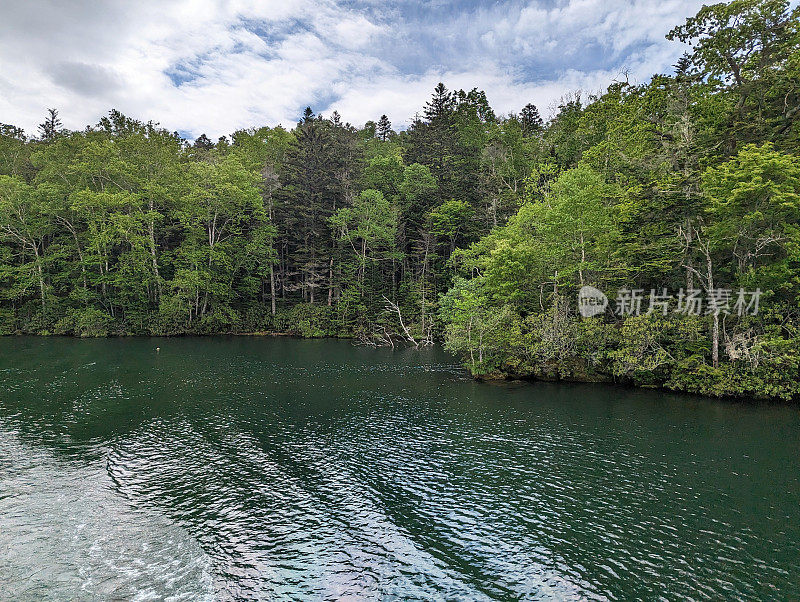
(495, 378)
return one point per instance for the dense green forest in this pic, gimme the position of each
(468, 227)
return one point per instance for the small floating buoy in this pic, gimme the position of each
(158, 348)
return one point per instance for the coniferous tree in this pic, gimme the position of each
(50, 128)
(531, 120)
(434, 142)
(384, 128)
(203, 142)
(441, 105)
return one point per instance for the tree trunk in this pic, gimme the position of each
(423, 282)
(272, 286)
(715, 328)
(39, 273)
(330, 282)
(151, 232)
(715, 342)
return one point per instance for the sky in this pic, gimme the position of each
(213, 66)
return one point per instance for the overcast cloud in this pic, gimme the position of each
(211, 66)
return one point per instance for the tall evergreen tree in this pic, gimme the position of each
(532, 122)
(441, 105)
(203, 142)
(384, 128)
(50, 128)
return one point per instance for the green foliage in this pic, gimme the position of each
(451, 220)
(84, 322)
(747, 51)
(755, 207)
(469, 226)
(369, 225)
(306, 320)
(473, 328)
(686, 181)
(651, 346)
(8, 323)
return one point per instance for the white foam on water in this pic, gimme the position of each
(65, 534)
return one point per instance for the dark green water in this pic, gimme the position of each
(278, 469)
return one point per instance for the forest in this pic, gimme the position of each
(468, 228)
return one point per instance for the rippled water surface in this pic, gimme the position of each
(278, 469)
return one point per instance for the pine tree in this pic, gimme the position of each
(384, 128)
(683, 66)
(203, 142)
(442, 104)
(50, 129)
(309, 181)
(531, 120)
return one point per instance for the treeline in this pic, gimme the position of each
(325, 230)
(468, 226)
(124, 228)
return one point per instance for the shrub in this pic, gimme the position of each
(305, 320)
(84, 322)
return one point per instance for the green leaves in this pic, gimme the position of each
(754, 205)
(736, 40)
(369, 226)
(451, 219)
(747, 51)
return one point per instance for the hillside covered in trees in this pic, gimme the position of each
(469, 227)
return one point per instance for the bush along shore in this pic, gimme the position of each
(649, 234)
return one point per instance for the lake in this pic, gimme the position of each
(239, 468)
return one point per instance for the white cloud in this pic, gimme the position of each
(250, 62)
